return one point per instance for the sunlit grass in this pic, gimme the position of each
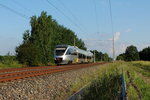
(106, 75)
(104, 87)
(103, 76)
(135, 69)
(142, 67)
(132, 95)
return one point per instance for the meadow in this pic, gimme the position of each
(105, 84)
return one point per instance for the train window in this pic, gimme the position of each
(68, 52)
(74, 52)
(84, 56)
(87, 57)
(71, 52)
(60, 52)
(80, 55)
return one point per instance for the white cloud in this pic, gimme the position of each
(142, 46)
(120, 48)
(106, 45)
(116, 36)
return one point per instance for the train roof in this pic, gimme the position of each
(63, 45)
(88, 53)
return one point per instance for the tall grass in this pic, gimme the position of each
(9, 61)
(142, 67)
(105, 87)
(105, 83)
(136, 69)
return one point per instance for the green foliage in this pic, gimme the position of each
(131, 53)
(99, 56)
(27, 54)
(145, 54)
(1, 58)
(37, 47)
(8, 61)
(105, 57)
(121, 57)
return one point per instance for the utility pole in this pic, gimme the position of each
(113, 40)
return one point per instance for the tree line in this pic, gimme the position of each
(38, 44)
(99, 56)
(132, 54)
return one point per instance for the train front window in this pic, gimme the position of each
(60, 51)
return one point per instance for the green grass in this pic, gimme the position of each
(13, 64)
(104, 88)
(105, 81)
(141, 71)
(105, 77)
(9, 61)
(142, 67)
(132, 95)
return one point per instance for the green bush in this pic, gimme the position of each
(7, 59)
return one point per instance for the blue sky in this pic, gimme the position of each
(90, 20)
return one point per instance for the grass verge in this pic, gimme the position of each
(14, 64)
(105, 81)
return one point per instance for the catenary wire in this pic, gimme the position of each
(22, 6)
(14, 11)
(65, 16)
(111, 16)
(96, 16)
(73, 16)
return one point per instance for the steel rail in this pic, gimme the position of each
(20, 69)
(42, 70)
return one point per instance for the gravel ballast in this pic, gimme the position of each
(47, 87)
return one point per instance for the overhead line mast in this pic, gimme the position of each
(113, 40)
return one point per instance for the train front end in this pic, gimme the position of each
(59, 54)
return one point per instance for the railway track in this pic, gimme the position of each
(21, 73)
